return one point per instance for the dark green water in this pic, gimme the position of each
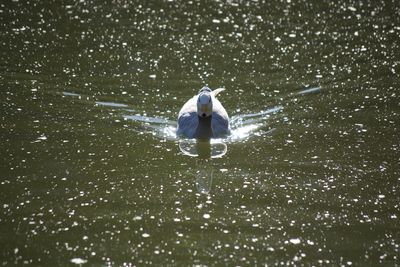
(317, 183)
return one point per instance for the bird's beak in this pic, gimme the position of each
(204, 109)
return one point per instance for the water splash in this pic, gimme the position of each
(248, 125)
(159, 127)
(242, 127)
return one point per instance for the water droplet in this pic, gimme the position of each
(78, 261)
(295, 241)
(145, 235)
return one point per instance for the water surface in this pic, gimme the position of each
(92, 173)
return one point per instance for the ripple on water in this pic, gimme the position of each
(242, 126)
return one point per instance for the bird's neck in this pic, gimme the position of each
(204, 130)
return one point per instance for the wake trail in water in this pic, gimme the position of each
(309, 90)
(247, 125)
(243, 126)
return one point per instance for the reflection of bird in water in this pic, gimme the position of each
(205, 150)
(204, 176)
(205, 170)
(203, 116)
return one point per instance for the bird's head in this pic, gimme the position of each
(204, 103)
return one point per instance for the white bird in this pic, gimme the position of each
(203, 116)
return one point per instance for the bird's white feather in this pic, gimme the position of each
(188, 119)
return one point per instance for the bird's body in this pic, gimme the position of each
(203, 117)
